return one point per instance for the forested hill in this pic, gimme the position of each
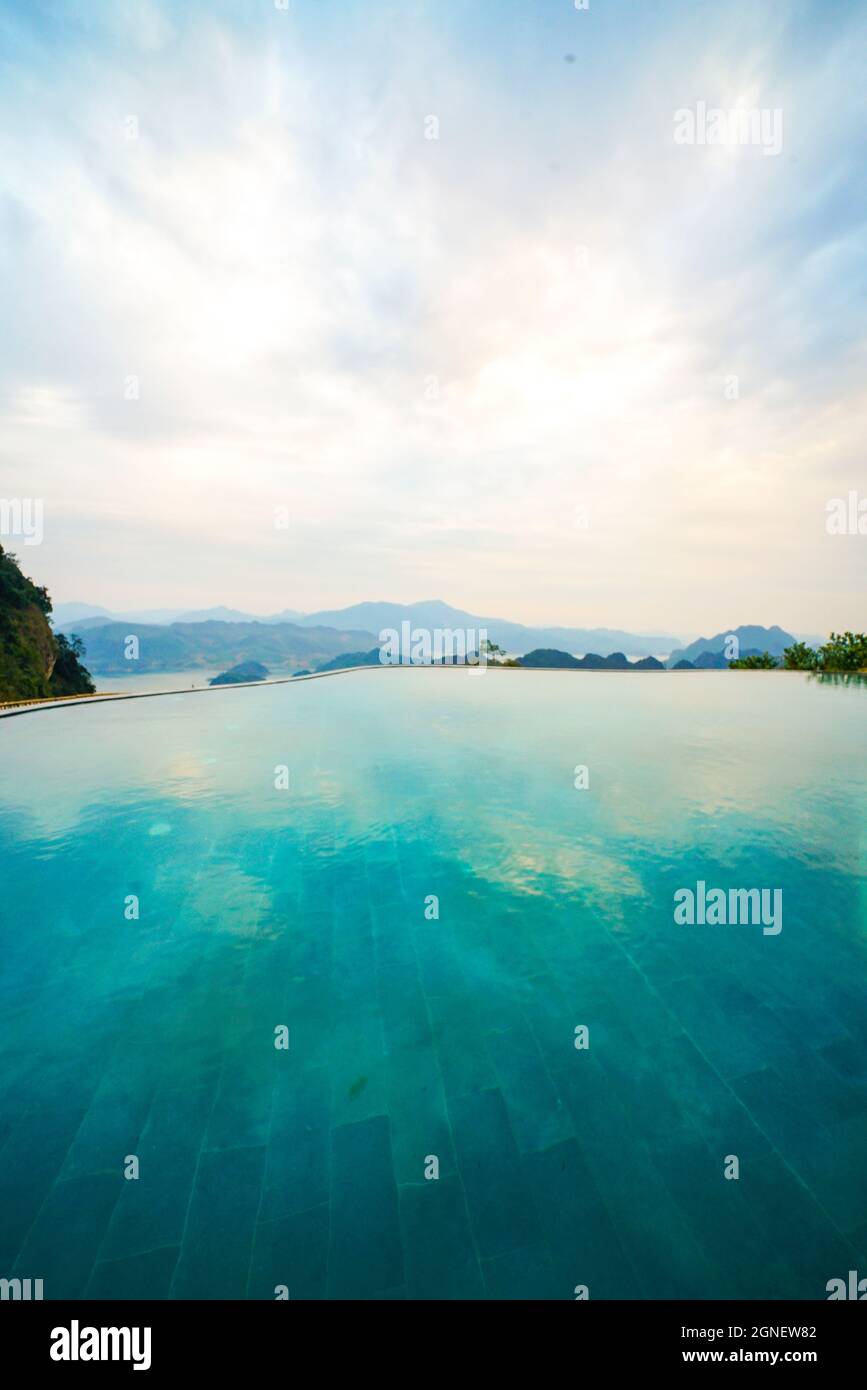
(215, 645)
(34, 662)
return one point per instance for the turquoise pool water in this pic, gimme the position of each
(414, 1037)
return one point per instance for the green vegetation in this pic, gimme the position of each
(490, 649)
(16, 590)
(244, 672)
(799, 657)
(349, 659)
(758, 661)
(34, 663)
(494, 655)
(843, 652)
(70, 676)
(549, 659)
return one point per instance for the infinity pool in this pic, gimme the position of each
(397, 868)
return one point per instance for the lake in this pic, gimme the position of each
(371, 986)
(151, 681)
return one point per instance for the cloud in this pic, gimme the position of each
(239, 276)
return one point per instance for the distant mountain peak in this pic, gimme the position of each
(751, 638)
(513, 637)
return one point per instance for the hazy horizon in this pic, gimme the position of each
(303, 305)
(684, 634)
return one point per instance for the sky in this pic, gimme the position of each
(317, 301)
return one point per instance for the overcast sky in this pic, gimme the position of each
(494, 367)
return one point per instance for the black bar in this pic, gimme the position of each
(226, 1339)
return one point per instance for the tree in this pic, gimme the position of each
(765, 662)
(844, 651)
(16, 590)
(490, 648)
(799, 657)
(69, 676)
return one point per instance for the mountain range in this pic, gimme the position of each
(84, 616)
(218, 645)
(374, 618)
(751, 641)
(187, 639)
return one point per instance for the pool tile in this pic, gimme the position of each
(551, 1015)
(297, 1175)
(440, 1253)
(794, 1227)
(459, 1038)
(358, 1064)
(709, 1104)
(62, 1244)
(525, 1274)
(636, 1198)
(718, 1215)
(499, 1199)
(241, 1116)
(536, 1113)
(366, 1253)
(581, 1239)
(291, 1251)
(112, 1127)
(731, 1050)
(417, 1111)
(144, 1276)
(848, 1058)
(151, 1210)
(817, 1157)
(30, 1163)
(218, 1237)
